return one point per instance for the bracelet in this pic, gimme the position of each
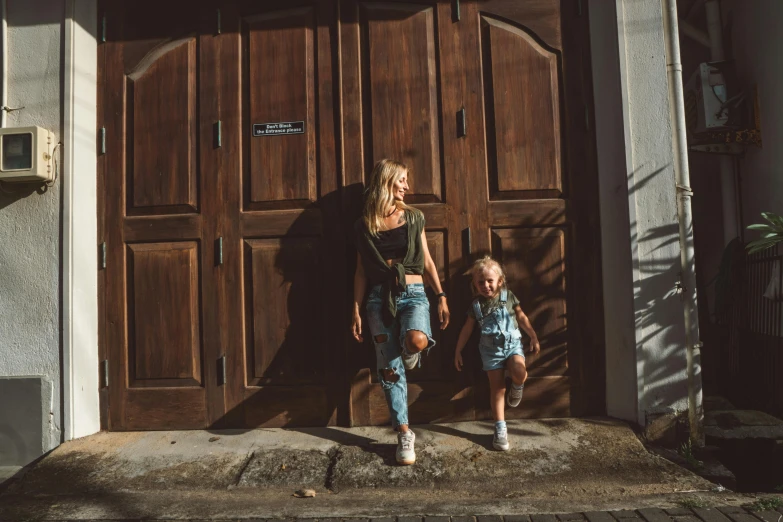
(442, 294)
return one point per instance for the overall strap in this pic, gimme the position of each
(503, 296)
(477, 311)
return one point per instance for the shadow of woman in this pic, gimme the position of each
(294, 297)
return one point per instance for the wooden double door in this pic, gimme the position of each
(236, 140)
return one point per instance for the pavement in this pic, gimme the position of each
(573, 467)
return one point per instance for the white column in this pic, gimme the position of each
(80, 221)
(645, 335)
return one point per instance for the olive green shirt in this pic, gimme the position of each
(489, 305)
(392, 277)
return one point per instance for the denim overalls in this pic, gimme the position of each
(500, 337)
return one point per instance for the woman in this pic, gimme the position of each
(393, 256)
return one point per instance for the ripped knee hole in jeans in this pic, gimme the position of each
(387, 375)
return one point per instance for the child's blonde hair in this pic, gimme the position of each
(379, 193)
(486, 262)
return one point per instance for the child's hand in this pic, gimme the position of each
(535, 347)
(458, 361)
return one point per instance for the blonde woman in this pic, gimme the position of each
(392, 255)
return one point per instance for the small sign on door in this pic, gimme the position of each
(278, 129)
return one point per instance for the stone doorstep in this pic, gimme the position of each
(742, 424)
(567, 458)
(727, 514)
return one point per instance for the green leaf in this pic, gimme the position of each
(773, 218)
(759, 226)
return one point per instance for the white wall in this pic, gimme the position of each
(30, 221)
(757, 47)
(645, 361)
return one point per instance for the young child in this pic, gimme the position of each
(499, 315)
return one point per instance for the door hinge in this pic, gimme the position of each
(457, 13)
(105, 373)
(221, 371)
(218, 134)
(219, 22)
(103, 140)
(102, 255)
(579, 7)
(103, 29)
(462, 129)
(219, 251)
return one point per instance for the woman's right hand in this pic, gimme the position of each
(356, 327)
(458, 360)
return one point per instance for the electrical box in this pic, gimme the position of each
(705, 100)
(25, 154)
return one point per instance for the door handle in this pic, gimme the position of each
(467, 240)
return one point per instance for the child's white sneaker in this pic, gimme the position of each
(514, 395)
(406, 455)
(500, 440)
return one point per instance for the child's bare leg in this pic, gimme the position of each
(517, 369)
(497, 392)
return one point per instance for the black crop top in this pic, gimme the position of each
(392, 244)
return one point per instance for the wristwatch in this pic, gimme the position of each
(442, 294)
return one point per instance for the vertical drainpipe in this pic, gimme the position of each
(4, 43)
(685, 218)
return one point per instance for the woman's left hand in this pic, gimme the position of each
(443, 313)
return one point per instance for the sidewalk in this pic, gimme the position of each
(555, 466)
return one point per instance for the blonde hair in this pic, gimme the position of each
(486, 262)
(379, 194)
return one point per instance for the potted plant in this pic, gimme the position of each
(771, 234)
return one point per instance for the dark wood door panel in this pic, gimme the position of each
(280, 67)
(282, 285)
(161, 118)
(179, 409)
(164, 324)
(401, 86)
(521, 97)
(290, 406)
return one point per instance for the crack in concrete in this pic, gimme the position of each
(334, 456)
(244, 467)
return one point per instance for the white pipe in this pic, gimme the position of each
(694, 33)
(4, 43)
(687, 257)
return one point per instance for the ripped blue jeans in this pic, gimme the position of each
(413, 313)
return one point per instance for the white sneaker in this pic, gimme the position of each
(410, 360)
(500, 440)
(514, 396)
(405, 452)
